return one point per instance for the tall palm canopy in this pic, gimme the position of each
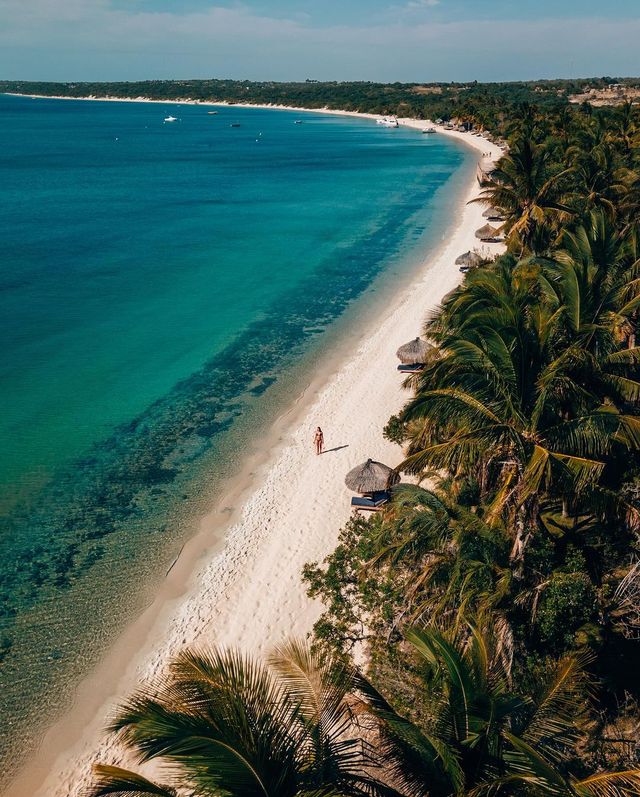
(229, 726)
(522, 188)
(480, 736)
(529, 389)
(226, 724)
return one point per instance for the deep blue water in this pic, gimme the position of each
(158, 282)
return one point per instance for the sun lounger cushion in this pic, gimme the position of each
(376, 501)
(410, 369)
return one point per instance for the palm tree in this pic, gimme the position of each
(525, 122)
(527, 192)
(495, 290)
(600, 181)
(500, 401)
(595, 274)
(626, 127)
(482, 737)
(228, 725)
(563, 126)
(628, 209)
(456, 564)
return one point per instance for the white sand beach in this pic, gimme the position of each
(248, 591)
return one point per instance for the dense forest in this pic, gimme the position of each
(486, 103)
(493, 607)
(524, 432)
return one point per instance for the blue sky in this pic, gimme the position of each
(387, 40)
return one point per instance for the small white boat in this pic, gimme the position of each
(388, 121)
(298, 122)
(212, 113)
(170, 118)
(429, 130)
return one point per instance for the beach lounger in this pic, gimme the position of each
(411, 369)
(373, 503)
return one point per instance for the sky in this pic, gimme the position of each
(379, 40)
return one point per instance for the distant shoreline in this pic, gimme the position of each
(248, 591)
(479, 143)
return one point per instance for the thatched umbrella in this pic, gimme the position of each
(371, 477)
(493, 215)
(487, 233)
(471, 259)
(414, 352)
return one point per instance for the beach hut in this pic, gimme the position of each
(372, 480)
(491, 214)
(413, 355)
(469, 259)
(487, 233)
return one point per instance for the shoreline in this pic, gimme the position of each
(476, 142)
(215, 591)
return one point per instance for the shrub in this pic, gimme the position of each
(566, 606)
(395, 430)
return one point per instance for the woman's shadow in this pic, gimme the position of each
(337, 448)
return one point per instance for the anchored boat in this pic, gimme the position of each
(388, 121)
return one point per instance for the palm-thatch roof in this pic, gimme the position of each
(415, 351)
(493, 215)
(482, 176)
(487, 233)
(485, 170)
(470, 258)
(371, 477)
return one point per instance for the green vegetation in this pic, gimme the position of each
(497, 601)
(524, 433)
(484, 104)
(228, 725)
(311, 726)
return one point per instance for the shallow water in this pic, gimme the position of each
(158, 282)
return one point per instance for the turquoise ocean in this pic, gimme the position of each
(164, 289)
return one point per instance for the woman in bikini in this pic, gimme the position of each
(319, 440)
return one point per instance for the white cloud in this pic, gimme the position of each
(412, 7)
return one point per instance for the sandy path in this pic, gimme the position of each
(251, 593)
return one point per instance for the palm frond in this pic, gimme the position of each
(111, 781)
(558, 708)
(319, 684)
(610, 784)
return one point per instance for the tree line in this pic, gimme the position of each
(488, 104)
